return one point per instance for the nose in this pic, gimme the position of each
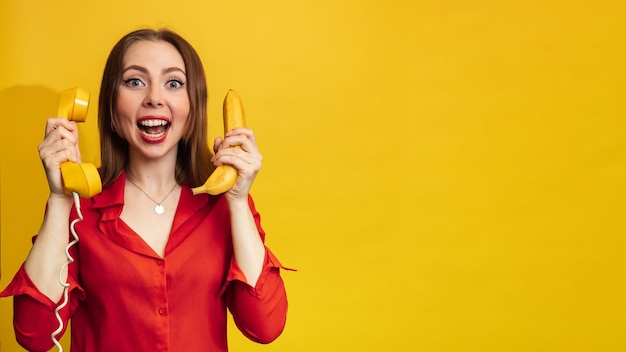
(153, 97)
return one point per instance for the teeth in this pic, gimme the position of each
(153, 135)
(153, 123)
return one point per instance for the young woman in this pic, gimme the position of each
(156, 267)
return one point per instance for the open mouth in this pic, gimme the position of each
(153, 128)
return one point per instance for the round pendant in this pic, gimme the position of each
(159, 209)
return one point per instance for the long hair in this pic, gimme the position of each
(193, 162)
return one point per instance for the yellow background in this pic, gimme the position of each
(446, 175)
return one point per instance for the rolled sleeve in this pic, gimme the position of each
(34, 319)
(259, 312)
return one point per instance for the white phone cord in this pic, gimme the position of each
(63, 283)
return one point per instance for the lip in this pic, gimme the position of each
(153, 138)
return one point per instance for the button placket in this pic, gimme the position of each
(161, 305)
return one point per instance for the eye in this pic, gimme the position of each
(175, 83)
(133, 82)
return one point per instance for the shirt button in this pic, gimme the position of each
(160, 262)
(162, 311)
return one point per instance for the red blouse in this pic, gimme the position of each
(125, 297)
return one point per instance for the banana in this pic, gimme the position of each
(224, 176)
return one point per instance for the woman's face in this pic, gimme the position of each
(152, 101)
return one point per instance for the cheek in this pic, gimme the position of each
(121, 106)
(125, 116)
(182, 110)
(126, 107)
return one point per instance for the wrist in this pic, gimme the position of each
(56, 199)
(235, 204)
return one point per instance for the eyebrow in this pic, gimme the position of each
(144, 70)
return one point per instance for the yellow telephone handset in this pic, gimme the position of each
(83, 178)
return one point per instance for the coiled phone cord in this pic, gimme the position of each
(64, 283)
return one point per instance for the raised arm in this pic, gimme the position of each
(47, 255)
(248, 247)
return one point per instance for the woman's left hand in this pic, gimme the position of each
(246, 160)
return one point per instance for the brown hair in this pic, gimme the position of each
(193, 162)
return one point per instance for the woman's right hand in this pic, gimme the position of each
(60, 144)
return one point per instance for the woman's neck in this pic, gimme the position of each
(152, 174)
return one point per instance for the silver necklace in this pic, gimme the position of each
(158, 209)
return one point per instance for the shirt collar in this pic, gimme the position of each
(111, 196)
(111, 201)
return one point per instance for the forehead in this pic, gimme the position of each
(153, 54)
